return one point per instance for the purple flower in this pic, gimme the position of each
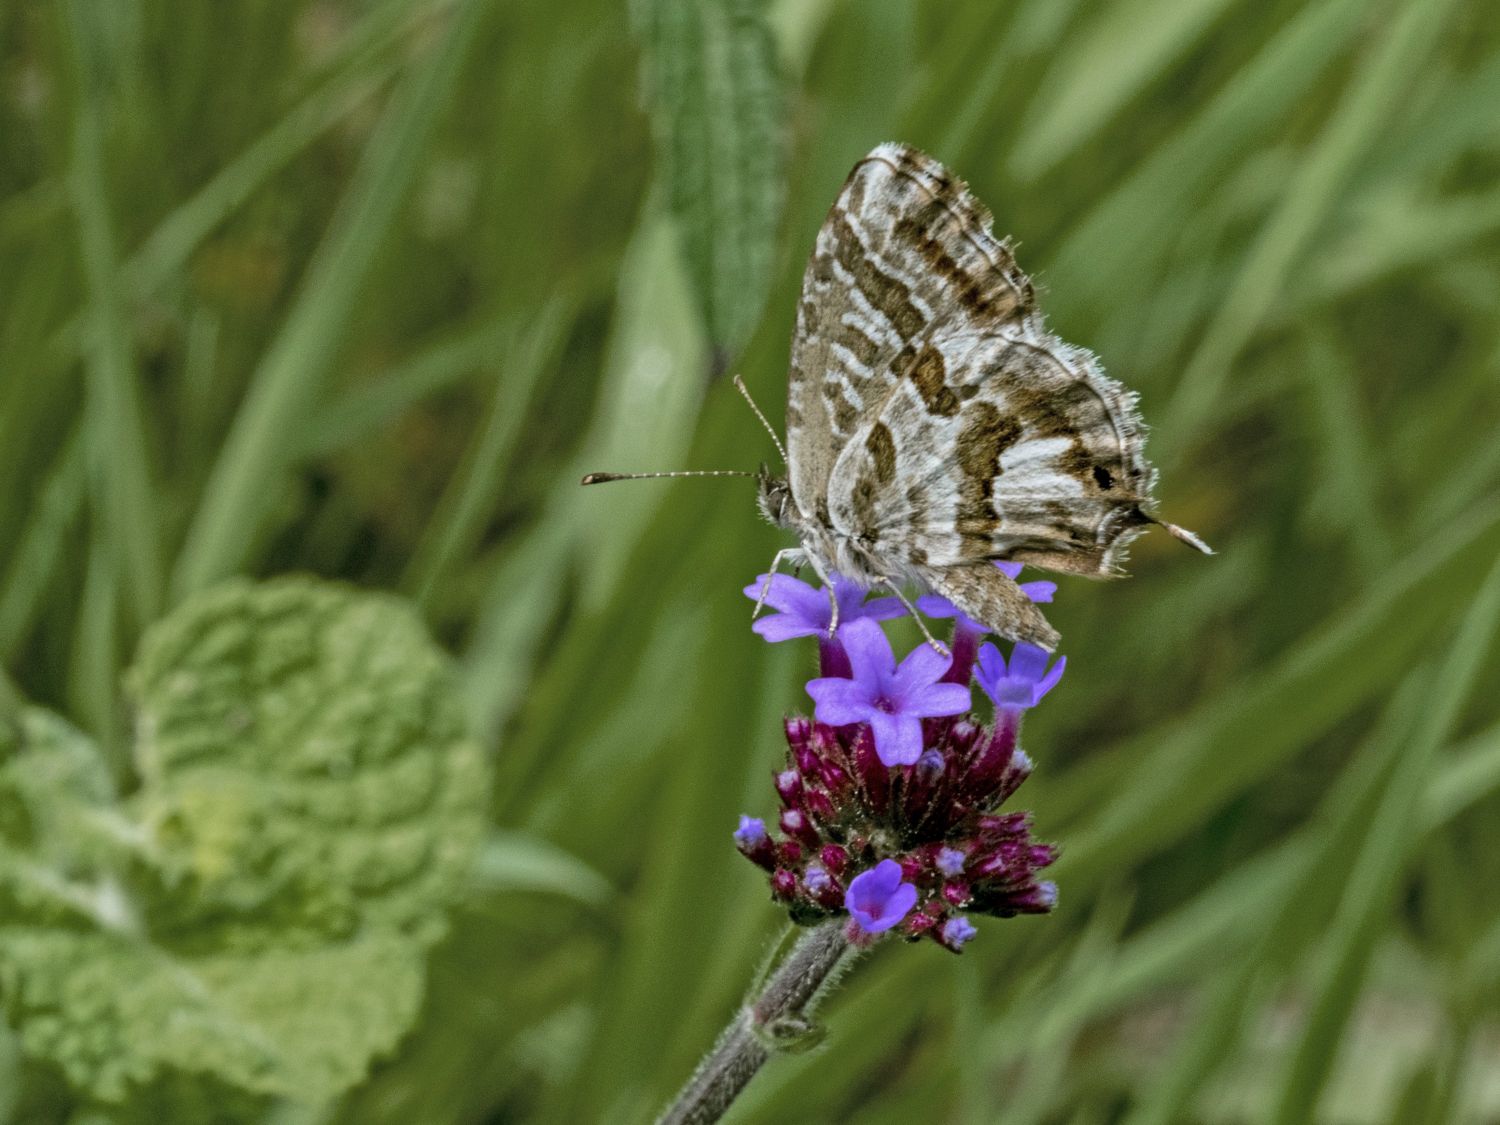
(804, 610)
(878, 899)
(1024, 682)
(950, 861)
(934, 605)
(956, 932)
(751, 832)
(893, 700)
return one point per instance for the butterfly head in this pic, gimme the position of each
(773, 495)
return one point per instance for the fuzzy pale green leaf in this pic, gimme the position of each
(257, 914)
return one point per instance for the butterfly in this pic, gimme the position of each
(934, 425)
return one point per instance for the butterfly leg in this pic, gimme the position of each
(795, 553)
(937, 646)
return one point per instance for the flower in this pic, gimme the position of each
(950, 861)
(879, 898)
(892, 700)
(956, 932)
(1023, 683)
(891, 796)
(805, 611)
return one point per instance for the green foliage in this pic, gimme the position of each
(258, 910)
(713, 88)
(361, 287)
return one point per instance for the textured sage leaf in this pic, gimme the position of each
(256, 914)
(713, 89)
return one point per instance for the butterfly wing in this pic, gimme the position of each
(903, 248)
(994, 438)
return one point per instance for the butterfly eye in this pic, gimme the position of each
(1102, 478)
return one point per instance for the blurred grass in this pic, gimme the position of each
(361, 288)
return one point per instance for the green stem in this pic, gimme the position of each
(779, 1011)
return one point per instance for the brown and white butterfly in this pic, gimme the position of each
(934, 425)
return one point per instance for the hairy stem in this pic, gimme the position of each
(789, 994)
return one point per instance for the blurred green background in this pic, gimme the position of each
(360, 289)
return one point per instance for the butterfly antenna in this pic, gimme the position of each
(605, 478)
(744, 390)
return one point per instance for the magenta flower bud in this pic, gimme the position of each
(923, 920)
(819, 806)
(879, 898)
(835, 778)
(795, 823)
(751, 839)
(798, 730)
(834, 858)
(789, 786)
(957, 894)
(783, 883)
(873, 775)
(1017, 771)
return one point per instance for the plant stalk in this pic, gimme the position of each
(786, 999)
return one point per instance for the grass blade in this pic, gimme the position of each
(1355, 127)
(287, 382)
(1372, 882)
(470, 496)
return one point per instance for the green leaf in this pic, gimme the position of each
(713, 89)
(303, 761)
(113, 1011)
(257, 914)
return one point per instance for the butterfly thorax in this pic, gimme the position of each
(827, 549)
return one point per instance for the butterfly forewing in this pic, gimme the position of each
(902, 243)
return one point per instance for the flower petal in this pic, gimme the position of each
(991, 666)
(1010, 569)
(792, 595)
(1040, 593)
(1052, 677)
(882, 609)
(922, 666)
(1027, 662)
(869, 652)
(937, 700)
(898, 738)
(839, 701)
(935, 605)
(785, 627)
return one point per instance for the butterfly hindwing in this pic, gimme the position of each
(998, 443)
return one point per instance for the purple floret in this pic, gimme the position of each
(878, 899)
(804, 611)
(892, 700)
(1021, 683)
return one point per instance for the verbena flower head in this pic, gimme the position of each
(891, 794)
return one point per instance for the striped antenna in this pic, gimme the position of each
(605, 478)
(744, 390)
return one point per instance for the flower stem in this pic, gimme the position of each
(787, 997)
